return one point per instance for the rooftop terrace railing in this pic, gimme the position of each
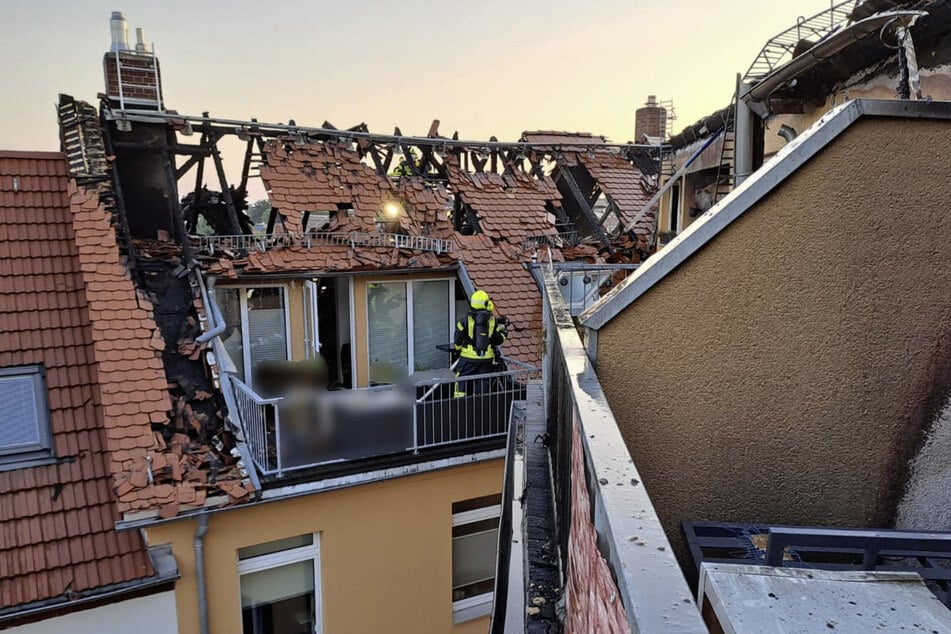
(562, 239)
(265, 242)
(608, 533)
(302, 430)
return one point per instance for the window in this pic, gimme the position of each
(674, 215)
(280, 586)
(475, 542)
(405, 323)
(25, 425)
(255, 325)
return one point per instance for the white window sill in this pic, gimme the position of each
(472, 608)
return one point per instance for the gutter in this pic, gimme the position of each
(215, 319)
(108, 592)
(823, 51)
(302, 489)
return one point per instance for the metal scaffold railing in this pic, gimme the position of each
(781, 48)
(266, 242)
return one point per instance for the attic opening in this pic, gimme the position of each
(319, 220)
(464, 218)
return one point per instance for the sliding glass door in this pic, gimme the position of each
(255, 326)
(405, 323)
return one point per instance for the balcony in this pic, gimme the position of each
(302, 429)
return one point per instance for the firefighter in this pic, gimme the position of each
(478, 336)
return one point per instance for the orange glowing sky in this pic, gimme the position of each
(487, 67)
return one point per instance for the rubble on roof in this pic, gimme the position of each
(162, 454)
(510, 207)
(329, 176)
(168, 443)
(580, 162)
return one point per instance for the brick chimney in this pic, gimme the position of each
(650, 121)
(133, 77)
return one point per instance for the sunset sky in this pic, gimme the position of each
(481, 67)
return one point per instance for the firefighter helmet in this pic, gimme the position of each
(480, 301)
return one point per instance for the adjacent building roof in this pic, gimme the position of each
(58, 309)
(564, 139)
(796, 153)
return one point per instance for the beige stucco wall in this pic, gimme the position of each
(385, 552)
(784, 372)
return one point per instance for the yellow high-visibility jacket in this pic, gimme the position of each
(475, 344)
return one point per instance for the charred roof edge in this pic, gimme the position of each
(787, 161)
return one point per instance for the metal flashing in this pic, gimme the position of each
(630, 535)
(793, 156)
(111, 593)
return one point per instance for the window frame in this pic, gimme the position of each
(476, 607)
(243, 309)
(676, 202)
(410, 334)
(260, 563)
(43, 451)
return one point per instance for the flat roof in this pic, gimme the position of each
(754, 599)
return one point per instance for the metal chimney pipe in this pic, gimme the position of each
(120, 31)
(140, 46)
(787, 132)
(742, 135)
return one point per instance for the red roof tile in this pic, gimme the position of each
(57, 521)
(510, 207)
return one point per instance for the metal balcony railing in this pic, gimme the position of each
(265, 242)
(302, 430)
(562, 239)
(468, 408)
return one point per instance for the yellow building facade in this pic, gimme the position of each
(383, 553)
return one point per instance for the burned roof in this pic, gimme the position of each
(322, 176)
(59, 519)
(336, 207)
(512, 206)
(702, 128)
(582, 162)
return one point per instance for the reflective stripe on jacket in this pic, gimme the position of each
(466, 336)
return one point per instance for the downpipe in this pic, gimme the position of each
(200, 533)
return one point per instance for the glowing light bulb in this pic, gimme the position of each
(392, 209)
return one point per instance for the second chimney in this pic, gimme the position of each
(650, 120)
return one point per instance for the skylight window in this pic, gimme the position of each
(25, 426)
